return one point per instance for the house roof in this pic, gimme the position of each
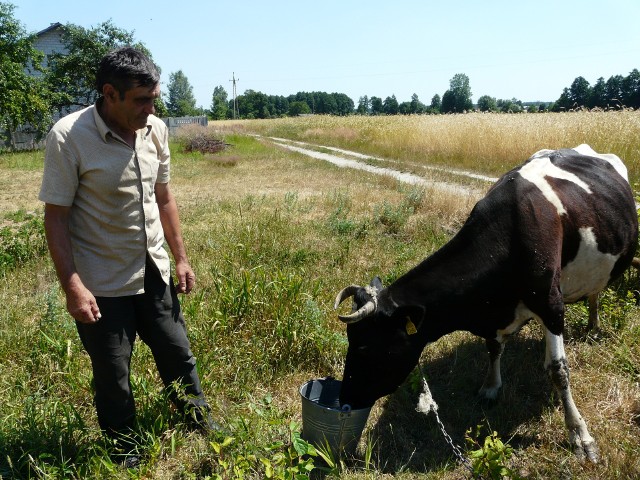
(53, 26)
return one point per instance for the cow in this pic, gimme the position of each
(554, 230)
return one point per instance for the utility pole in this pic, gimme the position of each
(235, 105)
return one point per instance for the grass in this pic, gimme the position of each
(272, 237)
(482, 142)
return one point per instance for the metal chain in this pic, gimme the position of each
(427, 404)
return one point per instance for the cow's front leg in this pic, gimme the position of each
(594, 318)
(493, 380)
(556, 365)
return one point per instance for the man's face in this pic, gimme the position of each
(131, 113)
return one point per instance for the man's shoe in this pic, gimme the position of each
(125, 449)
(200, 419)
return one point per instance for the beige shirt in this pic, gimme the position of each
(114, 218)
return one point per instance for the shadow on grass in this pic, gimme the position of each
(29, 454)
(406, 440)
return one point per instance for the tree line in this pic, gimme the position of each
(34, 90)
(615, 93)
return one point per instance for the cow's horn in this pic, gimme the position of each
(346, 292)
(364, 311)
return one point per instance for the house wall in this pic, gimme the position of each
(49, 41)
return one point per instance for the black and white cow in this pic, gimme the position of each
(554, 230)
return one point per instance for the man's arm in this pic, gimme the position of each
(81, 303)
(173, 235)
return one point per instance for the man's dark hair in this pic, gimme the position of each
(126, 68)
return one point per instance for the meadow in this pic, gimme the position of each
(273, 236)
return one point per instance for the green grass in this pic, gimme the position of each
(272, 238)
(29, 160)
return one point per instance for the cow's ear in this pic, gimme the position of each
(409, 318)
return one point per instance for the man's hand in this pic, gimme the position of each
(185, 277)
(81, 304)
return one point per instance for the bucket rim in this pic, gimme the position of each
(324, 407)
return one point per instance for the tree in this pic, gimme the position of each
(487, 104)
(564, 102)
(416, 106)
(298, 108)
(180, 99)
(23, 97)
(448, 102)
(436, 104)
(344, 104)
(458, 96)
(404, 108)
(631, 87)
(253, 104)
(161, 108)
(364, 106)
(614, 90)
(280, 105)
(324, 103)
(376, 106)
(219, 107)
(72, 75)
(510, 106)
(598, 95)
(580, 92)
(390, 105)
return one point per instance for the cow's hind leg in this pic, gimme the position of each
(556, 365)
(493, 380)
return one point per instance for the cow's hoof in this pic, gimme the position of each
(591, 450)
(587, 450)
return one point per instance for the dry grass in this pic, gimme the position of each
(484, 142)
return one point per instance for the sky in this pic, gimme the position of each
(528, 50)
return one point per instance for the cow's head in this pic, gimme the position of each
(383, 344)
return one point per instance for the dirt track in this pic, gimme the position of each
(340, 159)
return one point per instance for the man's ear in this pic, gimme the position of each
(109, 92)
(409, 318)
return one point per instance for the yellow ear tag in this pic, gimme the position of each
(411, 328)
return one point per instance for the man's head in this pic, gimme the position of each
(126, 68)
(129, 83)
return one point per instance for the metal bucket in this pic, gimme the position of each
(325, 423)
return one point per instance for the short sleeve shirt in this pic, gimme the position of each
(114, 218)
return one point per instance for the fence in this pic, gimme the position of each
(25, 138)
(174, 123)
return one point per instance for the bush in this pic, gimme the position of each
(21, 239)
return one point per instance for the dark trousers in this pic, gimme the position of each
(156, 317)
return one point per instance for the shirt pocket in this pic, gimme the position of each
(149, 163)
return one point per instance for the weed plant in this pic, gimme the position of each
(272, 239)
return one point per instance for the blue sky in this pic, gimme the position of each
(529, 50)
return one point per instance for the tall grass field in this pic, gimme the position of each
(273, 235)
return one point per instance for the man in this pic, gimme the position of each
(108, 211)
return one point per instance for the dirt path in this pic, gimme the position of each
(340, 159)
